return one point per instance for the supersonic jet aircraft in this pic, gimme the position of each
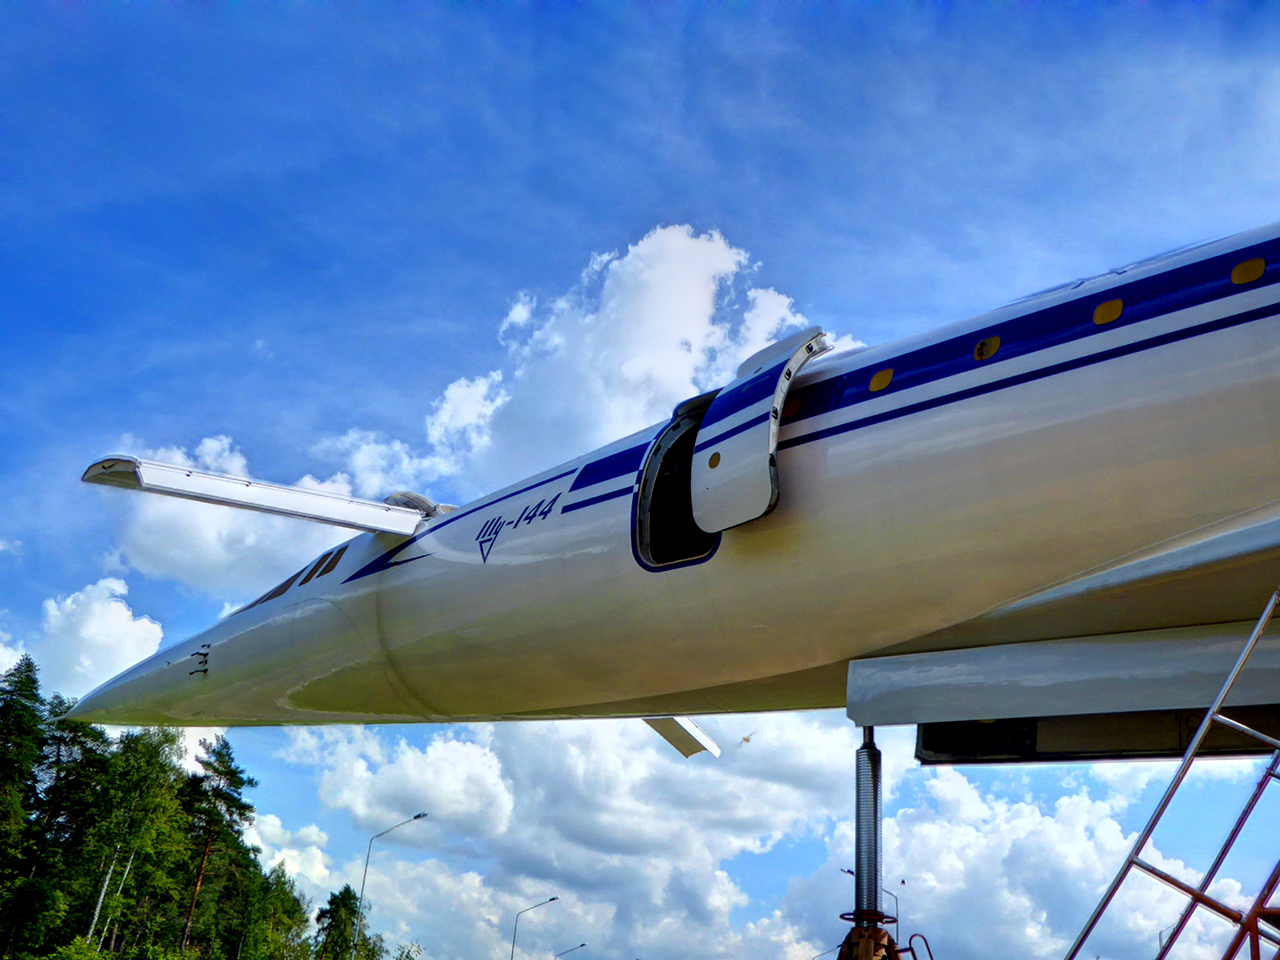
(1041, 533)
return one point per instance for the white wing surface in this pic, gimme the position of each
(172, 480)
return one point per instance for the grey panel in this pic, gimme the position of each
(1151, 670)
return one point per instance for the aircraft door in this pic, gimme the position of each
(734, 475)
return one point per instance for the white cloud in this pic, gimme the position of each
(301, 851)
(459, 783)
(221, 551)
(520, 314)
(631, 836)
(380, 466)
(457, 427)
(91, 635)
(460, 419)
(637, 334)
(191, 749)
(9, 654)
(1031, 871)
(640, 332)
(641, 845)
(11, 546)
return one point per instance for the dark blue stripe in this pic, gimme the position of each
(459, 514)
(746, 394)
(745, 425)
(1053, 369)
(387, 560)
(591, 501)
(1188, 286)
(607, 468)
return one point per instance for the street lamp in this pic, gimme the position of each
(570, 950)
(355, 936)
(896, 918)
(517, 926)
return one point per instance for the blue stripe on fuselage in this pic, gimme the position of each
(607, 468)
(1123, 350)
(1145, 299)
(746, 394)
(592, 501)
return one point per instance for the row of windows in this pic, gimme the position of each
(1109, 311)
(321, 568)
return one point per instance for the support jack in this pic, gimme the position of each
(869, 939)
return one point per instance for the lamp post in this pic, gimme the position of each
(355, 935)
(570, 950)
(896, 919)
(517, 925)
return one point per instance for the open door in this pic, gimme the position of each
(734, 475)
(665, 536)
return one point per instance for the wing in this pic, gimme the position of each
(399, 514)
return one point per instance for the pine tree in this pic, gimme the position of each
(22, 737)
(22, 733)
(218, 810)
(336, 922)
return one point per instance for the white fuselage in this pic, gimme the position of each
(965, 485)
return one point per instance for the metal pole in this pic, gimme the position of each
(355, 934)
(897, 917)
(867, 824)
(517, 926)
(570, 950)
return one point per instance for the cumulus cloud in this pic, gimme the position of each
(378, 465)
(1031, 869)
(641, 845)
(631, 836)
(638, 333)
(219, 550)
(13, 547)
(301, 851)
(91, 635)
(458, 782)
(9, 653)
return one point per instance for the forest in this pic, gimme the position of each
(109, 846)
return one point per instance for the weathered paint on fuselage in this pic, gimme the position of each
(965, 485)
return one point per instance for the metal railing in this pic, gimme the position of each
(1260, 922)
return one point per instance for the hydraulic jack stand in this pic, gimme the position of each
(868, 940)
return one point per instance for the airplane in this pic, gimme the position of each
(1041, 533)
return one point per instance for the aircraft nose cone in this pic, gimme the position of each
(126, 698)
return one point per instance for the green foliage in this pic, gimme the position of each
(335, 924)
(22, 734)
(110, 850)
(77, 949)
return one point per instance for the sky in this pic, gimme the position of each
(441, 246)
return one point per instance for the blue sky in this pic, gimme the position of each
(284, 223)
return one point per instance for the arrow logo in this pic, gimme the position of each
(487, 536)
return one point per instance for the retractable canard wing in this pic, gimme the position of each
(399, 514)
